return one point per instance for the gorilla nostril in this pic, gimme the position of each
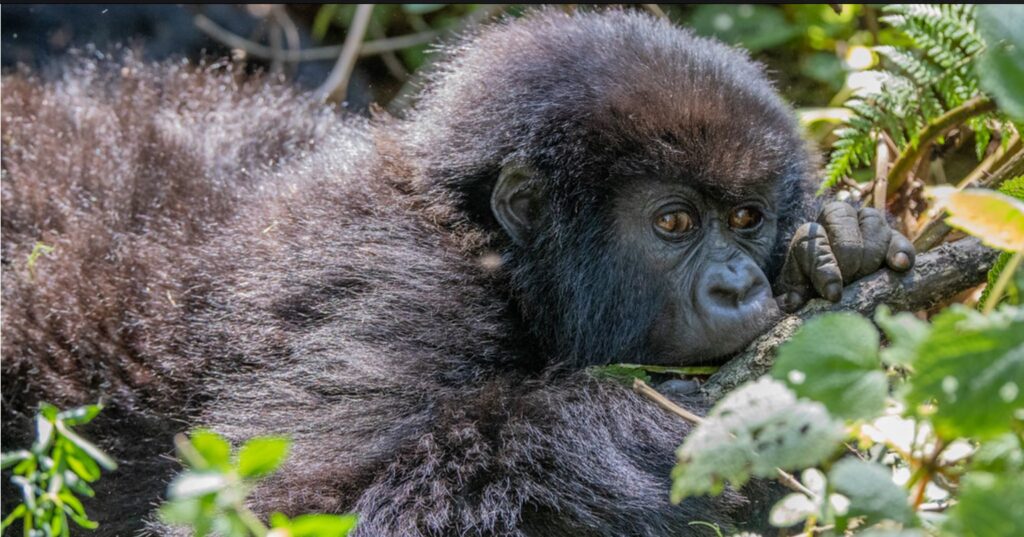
(734, 289)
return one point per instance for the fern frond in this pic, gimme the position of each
(919, 83)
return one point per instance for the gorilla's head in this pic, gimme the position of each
(638, 179)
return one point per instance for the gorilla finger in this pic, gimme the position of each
(876, 234)
(844, 236)
(901, 252)
(794, 287)
(812, 253)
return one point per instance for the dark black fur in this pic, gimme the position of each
(228, 254)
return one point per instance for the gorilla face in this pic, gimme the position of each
(706, 255)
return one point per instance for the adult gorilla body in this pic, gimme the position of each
(236, 257)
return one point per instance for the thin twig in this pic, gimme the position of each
(263, 52)
(336, 85)
(881, 169)
(645, 390)
(935, 128)
(936, 229)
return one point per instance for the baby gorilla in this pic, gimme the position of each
(415, 302)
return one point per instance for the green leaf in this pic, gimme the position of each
(80, 415)
(833, 359)
(83, 466)
(989, 506)
(422, 9)
(753, 26)
(905, 333)
(13, 457)
(44, 432)
(92, 451)
(18, 511)
(755, 429)
(1001, 65)
(871, 491)
(322, 525)
(261, 456)
(196, 484)
(972, 366)
(214, 449)
(993, 217)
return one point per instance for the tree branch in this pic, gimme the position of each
(937, 127)
(937, 275)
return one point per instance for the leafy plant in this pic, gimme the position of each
(210, 496)
(933, 77)
(54, 472)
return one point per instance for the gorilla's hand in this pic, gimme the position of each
(843, 245)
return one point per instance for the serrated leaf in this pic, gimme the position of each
(214, 449)
(791, 509)
(1001, 66)
(833, 359)
(989, 506)
(905, 333)
(972, 366)
(995, 218)
(871, 491)
(755, 429)
(261, 456)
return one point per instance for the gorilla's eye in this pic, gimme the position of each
(673, 223)
(745, 218)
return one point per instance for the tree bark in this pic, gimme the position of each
(937, 275)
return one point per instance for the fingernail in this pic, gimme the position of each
(901, 260)
(833, 291)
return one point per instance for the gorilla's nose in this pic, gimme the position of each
(736, 288)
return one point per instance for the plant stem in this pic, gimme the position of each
(935, 128)
(1004, 279)
(250, 520)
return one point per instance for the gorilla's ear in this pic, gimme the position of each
(514, 202)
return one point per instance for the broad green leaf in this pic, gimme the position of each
(993, 217)
(195, 484)
(322, 525)
(989, 506)
(261, 456)
(871, 491)
(80, 415)
(833, 359)
(905, 333)
(755, 429)
(1001, 65)
(972, 366)
(792, 509)
(1002, 455)
(214, 449)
